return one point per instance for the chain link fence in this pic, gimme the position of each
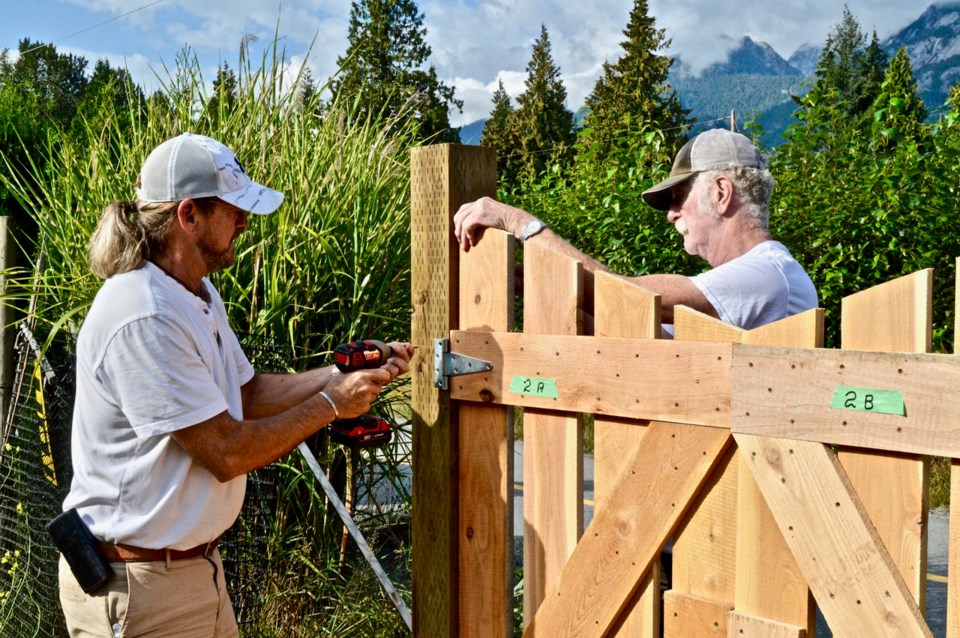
(35, 473)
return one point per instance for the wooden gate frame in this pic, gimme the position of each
(722, 440)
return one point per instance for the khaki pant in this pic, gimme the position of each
(146, 599)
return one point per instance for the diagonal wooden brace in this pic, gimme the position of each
(668, 469)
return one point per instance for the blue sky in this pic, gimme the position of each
(474, 42)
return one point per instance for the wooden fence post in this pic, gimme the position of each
(442, 177)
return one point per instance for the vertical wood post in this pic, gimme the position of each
(442, 177)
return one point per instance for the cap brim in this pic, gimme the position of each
(255, 199)
(659, 196)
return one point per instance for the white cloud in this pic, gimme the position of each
(474, 42)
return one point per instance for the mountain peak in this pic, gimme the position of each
(744, 57)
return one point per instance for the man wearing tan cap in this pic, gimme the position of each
(717, 197)
(170, 415)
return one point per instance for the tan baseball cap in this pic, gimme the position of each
(713, 149)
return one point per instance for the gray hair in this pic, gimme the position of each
(754, 186)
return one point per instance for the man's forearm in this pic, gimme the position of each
(270, 394)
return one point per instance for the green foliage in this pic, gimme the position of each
(224, 98)
(596, 205)
(499, 134)
(57, 79)
(634, 91)
(541, 128)
(898, 112)
(861, 205)
(385, 70)
(850, 70)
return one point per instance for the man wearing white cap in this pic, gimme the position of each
(169, 415)
(717, 197)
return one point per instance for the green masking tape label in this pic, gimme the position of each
(868, 400)
(534, 386)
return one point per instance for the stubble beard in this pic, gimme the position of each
(217, 260)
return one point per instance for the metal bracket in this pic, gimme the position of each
(448, 364)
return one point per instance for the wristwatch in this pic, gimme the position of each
(530, 229)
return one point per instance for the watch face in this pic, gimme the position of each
(531, 228)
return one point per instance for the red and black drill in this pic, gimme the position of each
(366, 430)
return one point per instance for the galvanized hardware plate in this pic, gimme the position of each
(448, 364)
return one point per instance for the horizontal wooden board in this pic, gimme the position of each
(685, 616)
(743, 625)
(673, 381)
(786, 392)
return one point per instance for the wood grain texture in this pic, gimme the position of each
(771, 596)
(686, 615)
(953, 551)
(741, 625)
(441, 179)
(705, 544)
(626, 536)
(858, 587)
(603, 375)
(895, 316)
(486, 454)
(623, 309)
(553, 443)
(786, 392)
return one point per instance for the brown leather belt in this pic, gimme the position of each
(129, 554)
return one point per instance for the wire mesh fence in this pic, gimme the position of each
(35, 473)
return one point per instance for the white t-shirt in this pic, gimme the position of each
(759, 287)
(153, 358)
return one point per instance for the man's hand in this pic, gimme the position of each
(471, 220)
(353, 392)
(399, 361)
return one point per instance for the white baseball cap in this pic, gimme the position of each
(192, 166)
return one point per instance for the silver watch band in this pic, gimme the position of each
(530, 229)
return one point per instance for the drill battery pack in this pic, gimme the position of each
(361, 432)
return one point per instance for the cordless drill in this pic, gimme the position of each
(365, 430)
(358, 355)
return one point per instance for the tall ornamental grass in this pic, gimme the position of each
(331, 265)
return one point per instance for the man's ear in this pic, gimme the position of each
(187, 216)
(724, 194)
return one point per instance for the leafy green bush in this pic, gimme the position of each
(596, 206)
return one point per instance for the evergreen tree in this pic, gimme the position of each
(850, 70)
(224, 96)
(306, 88)
(899, 113)
(840, 58)
(869, 77)
(541, 125)
(110, 95)
(384, 67)
(634, 91)
(57, 79)
(497, 132)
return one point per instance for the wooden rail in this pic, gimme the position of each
(723, 441)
